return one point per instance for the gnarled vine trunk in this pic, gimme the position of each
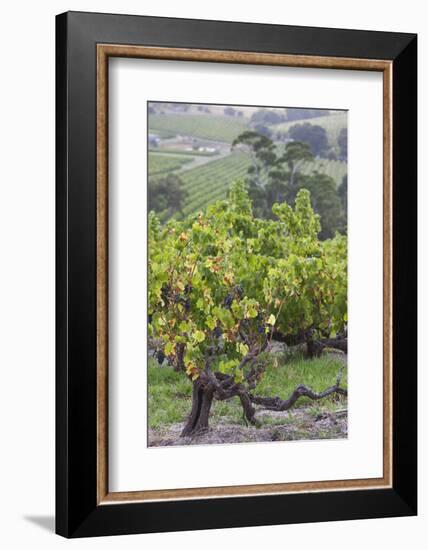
(314, 346)
(197, 421)
(278, 404)
(223, 387)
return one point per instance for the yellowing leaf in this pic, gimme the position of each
(184, 326)
(210, 322)
(180, 285)
(169, 348)
(242, 348)
(190, 367)
(271, 320)
(228, 278)
(199, 336)
(239, 377)
(251, 313)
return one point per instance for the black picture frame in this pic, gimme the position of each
(77, 511)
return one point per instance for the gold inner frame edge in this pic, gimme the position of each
(104, 51)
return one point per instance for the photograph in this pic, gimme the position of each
(247, 273)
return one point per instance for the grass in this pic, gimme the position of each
(210, 127)
(170, 392)
(165, 164)
(169, 395)
(332, 124)
(318, 374)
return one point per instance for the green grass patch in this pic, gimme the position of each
(170, 392)
(318, 374)
(210, 127)
(170, 395)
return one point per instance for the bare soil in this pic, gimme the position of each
(292, 425)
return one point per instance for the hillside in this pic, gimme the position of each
(332, 124)
(210, 181)
(209, 127)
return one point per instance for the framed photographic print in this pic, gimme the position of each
(236, 274)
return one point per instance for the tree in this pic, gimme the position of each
(295, 156)
(272, 174)
(229, 111)
(262, 153)
(166, 195)
(342, 141)
(315, 136)
(342, 191)
(326, 202)
(222, 284)
(268, 162)
(275, 177)
(267, 117)
(263, 130)
(301, 114)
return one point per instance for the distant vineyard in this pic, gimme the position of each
(211, 181)
(332, 125)
(210, 127)
(181, 152)
(163, 164)
(336, 169)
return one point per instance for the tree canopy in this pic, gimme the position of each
(312, 134)
(166, 194)
(342, 141)
(275, 175)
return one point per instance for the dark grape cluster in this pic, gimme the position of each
(245, 324)
(239, 291)
(184, 300)
(166, 293)
(261, 327)
(227, 302)
(217, 332)
(160, 355)
(168, 296)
